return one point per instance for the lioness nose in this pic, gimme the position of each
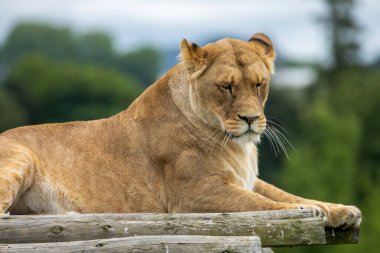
(249, 119)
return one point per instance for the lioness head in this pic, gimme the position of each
(229, 84)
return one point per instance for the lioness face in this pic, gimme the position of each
(230, 87)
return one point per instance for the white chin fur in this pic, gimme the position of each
(248, 138)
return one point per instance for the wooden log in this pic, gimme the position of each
(271, 232)
(265, 215)
(164, 244)
(276, 228)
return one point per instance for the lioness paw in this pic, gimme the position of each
(344, 216)
(316, 211)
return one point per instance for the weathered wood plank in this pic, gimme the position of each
(164, 244)
(271, 232)
(276, 228)
(266, 215)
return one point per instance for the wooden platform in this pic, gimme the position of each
(234, 232)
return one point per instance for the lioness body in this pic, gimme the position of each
(103, 166)
(187, 144)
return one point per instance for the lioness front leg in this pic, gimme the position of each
(337, 214)
(16, 173)
(214, 195)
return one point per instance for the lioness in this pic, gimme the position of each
(187, 144)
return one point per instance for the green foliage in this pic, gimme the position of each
(327, 155)
(339, 143)
(358, 91)
(338, 158)
(26, 38)
(336, 133)
(63, 91)
(50, 74)
(143, 63)
(60, 43)
(369, 241)
(12, 113)
(95, 47)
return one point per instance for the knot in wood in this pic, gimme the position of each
(106, 227)
(56, 229)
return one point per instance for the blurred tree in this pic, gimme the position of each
(339, 151)
(12, 113)
(25, 38)
(95, 47)
(327, 155)
(144, 63)
(325, 167)
(60, 43)
(370, 229)
(50, 74)
(339, 145)
(56, 92)
(342, 29)
(356, 93)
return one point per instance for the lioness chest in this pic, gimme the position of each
(243, 165)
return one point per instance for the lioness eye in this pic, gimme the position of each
(258, 85)
(227, 87)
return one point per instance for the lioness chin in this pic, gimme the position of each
(187, 144)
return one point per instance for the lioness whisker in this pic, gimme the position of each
(271, 117)
(224, 139)
(216, 131)
(267, 135)
(284, 137)
(276, 135)
(229, 138)
(273, 131)
(274, 123)
(219, 132)
(273, 141)
(278, 140)
(213, 136)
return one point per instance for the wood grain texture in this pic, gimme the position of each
(275, 228)
(145, 244)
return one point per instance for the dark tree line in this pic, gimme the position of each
(51, 74)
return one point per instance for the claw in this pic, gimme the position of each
(315, 210)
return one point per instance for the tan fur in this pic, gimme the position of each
(182, 146)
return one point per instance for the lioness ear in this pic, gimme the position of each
(265, 46)
(194, 57)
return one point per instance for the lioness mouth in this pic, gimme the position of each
(249, 131)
